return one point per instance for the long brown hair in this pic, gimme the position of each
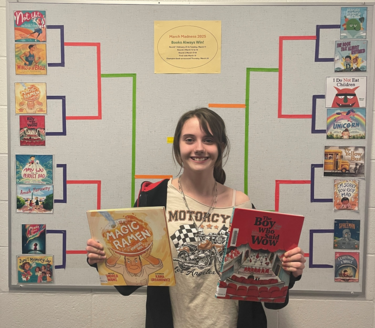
(214, 126)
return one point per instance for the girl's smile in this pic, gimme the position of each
(198, 150)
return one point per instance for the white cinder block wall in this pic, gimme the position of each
(86, 309)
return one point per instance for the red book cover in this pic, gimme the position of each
(251, 267)
(32, 130)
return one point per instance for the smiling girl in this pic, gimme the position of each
(198, 207)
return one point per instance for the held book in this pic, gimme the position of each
(251, 267)
(136, 244)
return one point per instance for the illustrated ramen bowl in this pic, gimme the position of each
(129, 236)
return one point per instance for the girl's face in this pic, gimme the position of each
(43, 267)
(198, 151)
(27, 266)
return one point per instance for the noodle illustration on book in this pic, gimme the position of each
(136, 245)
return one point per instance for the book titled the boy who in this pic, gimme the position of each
(136, 244)
(252, 264)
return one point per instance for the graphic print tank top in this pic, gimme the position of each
(196, 258)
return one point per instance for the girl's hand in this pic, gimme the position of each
(294, 261)
(95, 252)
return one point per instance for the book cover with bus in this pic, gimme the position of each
(251, 268)
(346, 195)
(136, 244)
(347, 124)
(351, 56)
(346, 266)
(346, 92)
(344, 161)
(353, 23)
(32, 130)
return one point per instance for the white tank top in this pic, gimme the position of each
(193, 298)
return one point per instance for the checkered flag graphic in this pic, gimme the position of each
(185, 234)
(223, 231)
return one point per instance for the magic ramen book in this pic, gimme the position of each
(347, 124)
(30, 98)
(136, 244)
(346, 234)
(35, 269)
(346, 195)
(346, 267)
(32, 130)
(353, 23)
(252, 265)
(29, 26)
(351, 56)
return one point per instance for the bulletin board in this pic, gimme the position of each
(110, 118)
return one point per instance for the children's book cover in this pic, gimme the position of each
(29, 26)
(347, 124)
(252, 265)
(353, 23)
(32, 131)
(346, 267)
(346, 235)
(35, 199)
(31, 98)
(31, 59)
(344, 161)
(35, 269)
(34, 169)
(33, 239)
(351, 56)
(346, 92)
(136, 243)
(346, 195)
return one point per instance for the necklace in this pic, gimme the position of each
(208, 213)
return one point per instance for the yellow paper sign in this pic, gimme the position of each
(187, 46)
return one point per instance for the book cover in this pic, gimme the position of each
(32, 131)
(252, 265)
(346, 92)
(346, 266)
(344, 161)
(347, 124)
(353, 23)
(30, 98)
(346, 194)
(31, 58)
(136, 243)
(36, 199)
(346, 234)
(351, 56)
(34, 169)
(35, 269)
(29, 26)
(33, 239)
